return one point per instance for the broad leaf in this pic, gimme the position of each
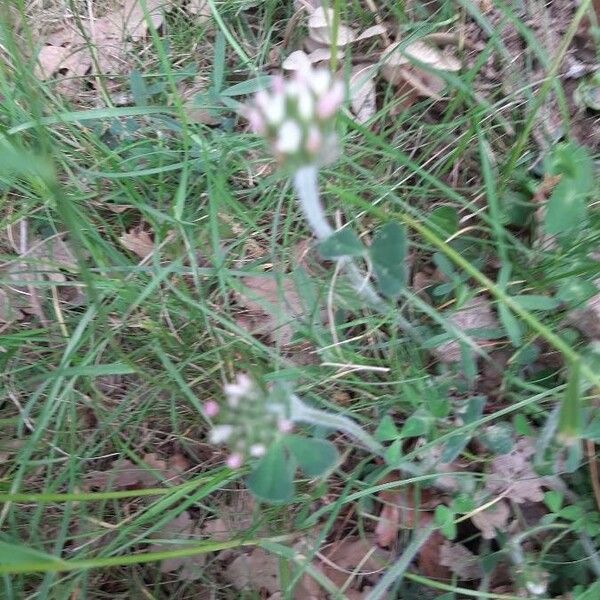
(444, 518)
(273, 477)
(314, 456)
(498, 438)
(388, 255)
(567, 207)
(445, 218)
(341, 243)
(535, 302)
(386, 430)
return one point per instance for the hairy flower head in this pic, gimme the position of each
(297, 116)
(250, 419)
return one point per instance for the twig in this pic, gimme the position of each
(590, 448)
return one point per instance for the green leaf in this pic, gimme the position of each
(498, 438)
(314, 456)
(567, 207)
(553, 500)
(571, 513)
(522, 426)
(571, 411)
(138, 87)
(592, 430)
(343, 242)
(454, 446)
(249, 86)
(444, 518)
(388, 255)
(386, 430)
(393, 454)
(415, 426)
(444, 218)
(511, 325)
(463, 503)
(535, 302)
(273, 477)
(14, 554)
(575, 291)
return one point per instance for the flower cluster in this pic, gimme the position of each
(297, 115)
(249, 421)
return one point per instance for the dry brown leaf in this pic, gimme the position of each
(362, 92)
(233, 518)
(124, 474)
(8, 311)
(321, 54)
(476, 313)
(428, 560)
(138, 241)
(371, 32)
(345, 556)
(399, 511)
(308, 5)
(296, 61)
(131, 21)
(181, 528)
(258, 571)
(512, 473)
(460, 560)
(320, 29)
(68, 49)
(495, 517)
(200, 8)
(273, 307)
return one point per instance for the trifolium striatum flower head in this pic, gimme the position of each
(250, 419)
(297, 116)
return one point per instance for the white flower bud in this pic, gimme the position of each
(257, 450)
(220, 434)
(274, 111)
(289, 138)
(306, 105)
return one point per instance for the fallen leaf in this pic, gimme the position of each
(362, 92)
(273, 307)
(181, 528)
(320, 29)
(476, 313)
(131, 20)
(495, 517)
(371, 32)
(232, 518)
(124, 474)
(398, 510)
(67, 54)
(296, 61)
(512, 473)
(460, 560)
(428, 560)
(257, 571)
(359, 559)
(200, 8)
(322, 54)
(401, 67)
(9, 310)
(138, 241)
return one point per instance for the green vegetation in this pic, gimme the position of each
(152, 250)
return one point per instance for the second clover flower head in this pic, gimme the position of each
(250, 419)
(297, 116)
